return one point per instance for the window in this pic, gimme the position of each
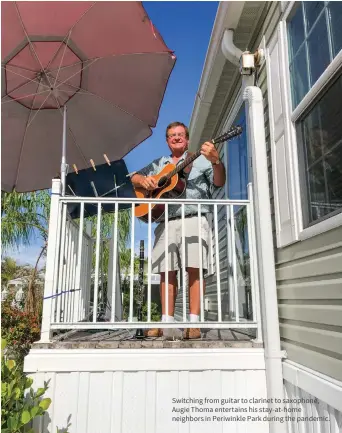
(319, 138)
(315, 38)
(237, 172)
(237, 169)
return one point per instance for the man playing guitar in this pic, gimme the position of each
(206, 173)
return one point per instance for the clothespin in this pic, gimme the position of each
(131, 174)
(106, 158)
(75, 168)
(93, 165)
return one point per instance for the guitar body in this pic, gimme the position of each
(172, 188)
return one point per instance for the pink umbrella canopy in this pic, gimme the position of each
(104, 61)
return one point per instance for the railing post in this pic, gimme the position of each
(51, 260)
(265, 252)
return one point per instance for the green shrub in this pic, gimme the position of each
(19, 329)
(20, 404)
(155, 313)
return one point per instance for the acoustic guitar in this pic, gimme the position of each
(171, 182)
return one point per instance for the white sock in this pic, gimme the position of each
(194, 318)
(166, 318)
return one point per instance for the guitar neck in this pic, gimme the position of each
(185, 163)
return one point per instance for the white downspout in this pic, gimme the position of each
(264, 245)
(230, 51)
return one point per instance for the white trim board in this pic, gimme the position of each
(324, 388)
(330, 72)
(67, 360)
(321, 227)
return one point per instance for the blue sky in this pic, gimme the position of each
(186, 29)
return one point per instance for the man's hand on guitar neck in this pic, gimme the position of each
(147, 182)
(208, 150)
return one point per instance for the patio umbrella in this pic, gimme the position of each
(90, 75)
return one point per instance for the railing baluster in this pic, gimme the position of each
(65, 294)
(200, 261)
(251, 260)
(166, 259)
(81, 295)
(217, 262)
(72, 275)
(236, 294)
(79, 262)
(84, 275)
(229, 263)
(89, 269)
(183, 263)
(149, 272)
(97, 261)
(115, 261)
(75, 292)
(57, 256)
(132, 268)
(60, 299)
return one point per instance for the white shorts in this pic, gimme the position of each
(192, 244)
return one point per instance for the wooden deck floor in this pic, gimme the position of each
(125, 339)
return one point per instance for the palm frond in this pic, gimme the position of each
(24, 216)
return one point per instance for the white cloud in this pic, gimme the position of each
(26, 255)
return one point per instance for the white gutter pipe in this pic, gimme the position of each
(229, 50)
(265, 249)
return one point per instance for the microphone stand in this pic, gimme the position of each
(140, 298)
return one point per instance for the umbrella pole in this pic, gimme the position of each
(63, 163)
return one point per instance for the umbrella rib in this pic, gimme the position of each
(86, 92)
(68, 34)
(18, 66)
(35, 114)
(73, 91)
(30, 43)
(78, 72)
(23, 97)
(60, 64)
(23, 76)
(24, 137)
(19, 86)
(111, 55)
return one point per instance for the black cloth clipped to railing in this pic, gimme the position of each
(107, 181)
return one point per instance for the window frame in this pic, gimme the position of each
(318, 89)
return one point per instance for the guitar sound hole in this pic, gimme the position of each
(162, 181)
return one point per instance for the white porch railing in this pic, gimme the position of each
(74, 298)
